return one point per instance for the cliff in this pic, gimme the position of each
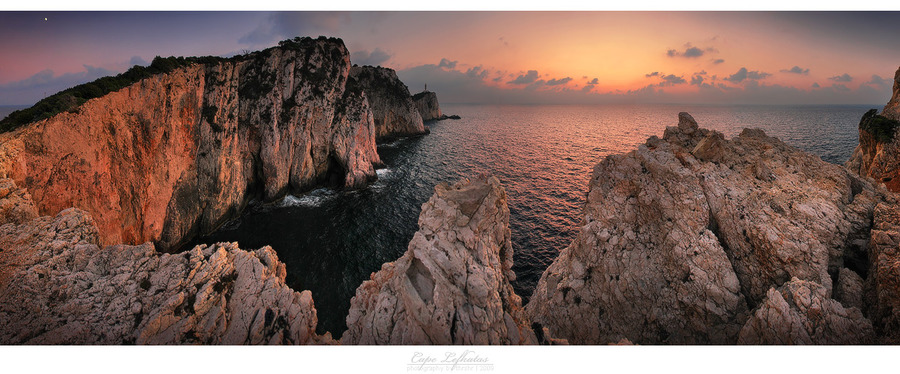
(878, 153)
(452, 284)
(692, 237)
(393, 108)
(428, 106)
(177, 154)
(59, 286)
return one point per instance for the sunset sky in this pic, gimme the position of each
(497, 57)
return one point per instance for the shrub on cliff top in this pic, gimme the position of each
(881, 128)
(70, 99)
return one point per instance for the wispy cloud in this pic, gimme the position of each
(842, 78)
(796, 70)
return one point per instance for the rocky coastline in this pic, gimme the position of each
(429, 107)
(691, 238)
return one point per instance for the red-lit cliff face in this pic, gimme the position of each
(177, 154)
(878, 153)
(393, 108)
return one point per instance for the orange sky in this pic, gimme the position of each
(731, 57)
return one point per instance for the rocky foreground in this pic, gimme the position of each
(695, 239)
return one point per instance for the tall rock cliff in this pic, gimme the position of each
(452, 284)
(428, 106)
(177, 154)
(878, 153)
(394, 110)
(685, 237)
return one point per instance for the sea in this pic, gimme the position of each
(333, 240)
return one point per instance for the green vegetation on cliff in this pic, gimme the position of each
(70, 99)
(881, 128)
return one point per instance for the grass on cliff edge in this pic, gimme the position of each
(70, 99)
(881, 128)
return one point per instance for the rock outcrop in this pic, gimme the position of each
(883, 284)
(58, 286)
(800, 312)
(452, 284)
(685, 236)
(878, 153)
(178, 154)
(428, 106)
(394, 109)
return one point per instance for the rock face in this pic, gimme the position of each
(394, 109)
(427, 104)
(57, 286)
(685, 236)
(452, 284)
(878, 153)
(800, 312)
(883, 286)
(178, 154)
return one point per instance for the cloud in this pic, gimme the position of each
(374, 58)
(816, 85)
(530, 77)
(445, 63)
(689, 52)
(45, 83)
(717, 61)
(878, 81)
(594, 81)
(796, 70)
(697, 80)
(557, 82)
(653, 74)
(284, 25)
(842, 78)
(743, 74)
(477, 72)
(137, 60)
(672, 79)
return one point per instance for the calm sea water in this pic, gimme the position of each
(331, 241)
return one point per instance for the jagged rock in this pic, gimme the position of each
(849, 289)
(177, 154)
(58, 287)
(394, 109)
(878, 153)
(800, 312)
(884, 274)
(686, 234)
(16, 205)
(452, 284)
(428, 106)
(892, 108)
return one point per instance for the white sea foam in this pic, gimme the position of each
(312, 199)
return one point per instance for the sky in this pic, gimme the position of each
(496, 57)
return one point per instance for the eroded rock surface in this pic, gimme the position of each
(684, 236)
(394, 109)
(428, 106)
(800, 312)
(878, 153)
(58, 286)
(452, 284)
(178, 154)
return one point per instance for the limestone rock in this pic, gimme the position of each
(452, 284)
(16, 205)
(178, 154)
(57, 286)
(799, 312)
(884, 274)
(878, 153)
(428, 106)
(683, 236)
(849, 289)
(394, 109)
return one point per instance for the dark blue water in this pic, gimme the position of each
(331, 241)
